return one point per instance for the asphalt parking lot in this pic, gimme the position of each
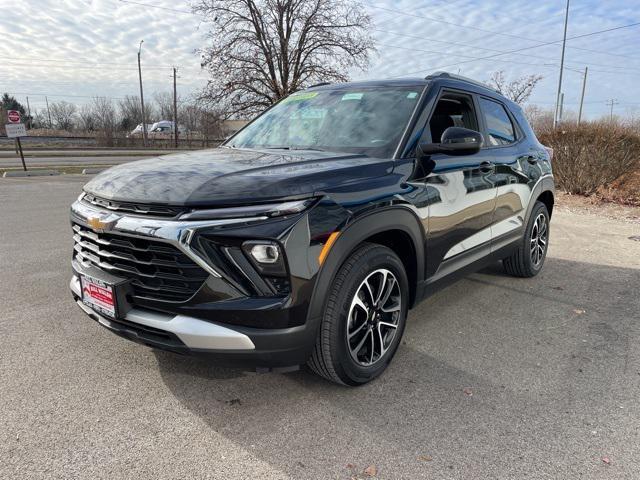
(497, 378)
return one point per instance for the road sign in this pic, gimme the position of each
(13, 116)
(15, 130)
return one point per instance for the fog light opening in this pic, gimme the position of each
(265, 253)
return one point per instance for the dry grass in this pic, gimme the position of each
(593, 158)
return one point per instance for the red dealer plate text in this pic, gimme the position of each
(98, 295)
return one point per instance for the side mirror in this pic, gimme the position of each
(454, 141)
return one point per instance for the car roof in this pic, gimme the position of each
(444, 78)
(397, 82)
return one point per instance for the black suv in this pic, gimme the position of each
(307, 236)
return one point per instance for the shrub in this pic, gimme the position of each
(591, 156)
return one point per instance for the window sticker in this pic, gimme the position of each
(352, 96)
(298, 97)
(412, 94)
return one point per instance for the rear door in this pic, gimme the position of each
(462, 191)
(504, 143)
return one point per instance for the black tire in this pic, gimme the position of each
(333, 356)
(521, 262)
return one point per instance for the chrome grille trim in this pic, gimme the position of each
(159, 272)
(135, 208)
(173, 232)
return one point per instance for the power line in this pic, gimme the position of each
(524, 48)
(81, 62)
(65, 95)
(487, 49)
(453, 54)
(147, 5)
(79, 67)
(611, 103)
(492, 32)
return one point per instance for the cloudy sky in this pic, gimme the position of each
(75, 49)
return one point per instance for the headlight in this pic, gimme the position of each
(268, 210)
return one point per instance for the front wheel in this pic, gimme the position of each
(364, 317)
(528, 258)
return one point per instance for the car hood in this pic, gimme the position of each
(225, 176)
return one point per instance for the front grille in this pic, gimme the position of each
(130, 207)
(157, 270)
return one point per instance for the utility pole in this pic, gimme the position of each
(584, 85)
(144, 118)
(28, 114)
(564, 43)
(611, 103)
(175, 110)
(561, 108)
(48, 112)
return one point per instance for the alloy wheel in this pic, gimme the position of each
(373, 317)
(539, 239)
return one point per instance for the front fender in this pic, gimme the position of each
(391, 218)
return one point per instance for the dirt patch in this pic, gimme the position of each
(597, 205)
(625, 189)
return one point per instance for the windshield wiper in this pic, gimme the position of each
(292, 147)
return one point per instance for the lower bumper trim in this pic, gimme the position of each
(194, 333)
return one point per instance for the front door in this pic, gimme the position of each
(462, 192)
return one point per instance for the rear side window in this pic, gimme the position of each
(499, 127)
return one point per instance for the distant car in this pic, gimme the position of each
(137, 132)
(164, 128)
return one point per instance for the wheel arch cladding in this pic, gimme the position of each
(402, 245)
(547, 198)
(394, 227)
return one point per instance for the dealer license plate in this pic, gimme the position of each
(98, 295)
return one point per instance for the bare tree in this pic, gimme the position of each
(540, 119)
(40, 119)
(106, 120)
(164, 105)
(262, 50)
(190, 115)
(87, 118)
(130, 112)
(518, 90)
(63, 114)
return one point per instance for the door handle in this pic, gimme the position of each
(487, 167)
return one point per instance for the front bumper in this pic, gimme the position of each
(223, 319)
(236, 347)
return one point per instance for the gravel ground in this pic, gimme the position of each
(497, 378)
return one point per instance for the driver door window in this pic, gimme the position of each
(452, 110)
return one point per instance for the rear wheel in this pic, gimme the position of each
(528, 258)
(364, 317)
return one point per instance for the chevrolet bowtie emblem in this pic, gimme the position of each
(102, 224)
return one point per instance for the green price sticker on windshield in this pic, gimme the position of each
(298, 97)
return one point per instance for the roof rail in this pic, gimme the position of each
(319, 84)
(453, 76)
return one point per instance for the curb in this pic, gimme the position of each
(30, 173)
(91, 171)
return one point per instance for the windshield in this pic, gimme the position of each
(367, 121)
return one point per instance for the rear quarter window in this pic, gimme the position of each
(500, 129)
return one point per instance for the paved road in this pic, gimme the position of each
(36, 152)
(59, 161)
(553, 365)
(75, 158)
